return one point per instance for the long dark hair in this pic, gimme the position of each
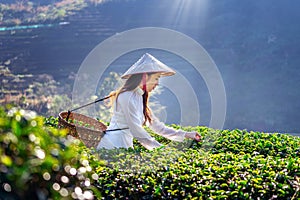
(133, 82)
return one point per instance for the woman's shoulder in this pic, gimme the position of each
(126, 95)
(129, 95)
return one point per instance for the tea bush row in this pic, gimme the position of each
(226, 165)
(40, 160)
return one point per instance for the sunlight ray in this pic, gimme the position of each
(185, 12)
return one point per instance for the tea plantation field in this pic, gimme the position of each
(39, 161)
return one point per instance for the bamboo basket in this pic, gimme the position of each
(89, 136)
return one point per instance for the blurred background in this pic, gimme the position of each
(254, 44)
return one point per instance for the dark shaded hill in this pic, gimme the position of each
(254, 44)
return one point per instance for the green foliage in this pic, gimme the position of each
(226, 164)
(42, 162)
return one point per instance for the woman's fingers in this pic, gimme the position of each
(194, 135)
(197, 137)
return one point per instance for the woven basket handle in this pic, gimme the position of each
(88, 104)
(117, 129)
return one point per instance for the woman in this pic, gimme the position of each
(131, 110)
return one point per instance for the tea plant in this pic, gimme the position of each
(40, 162)
(226, 165)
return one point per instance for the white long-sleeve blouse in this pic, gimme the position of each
(128, 113)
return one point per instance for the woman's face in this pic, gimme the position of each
(152, 81)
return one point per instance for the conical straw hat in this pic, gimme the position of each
(148, 64)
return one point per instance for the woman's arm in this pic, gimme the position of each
(170, 133)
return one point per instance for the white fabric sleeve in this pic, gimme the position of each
(135, 124)
(167, 132)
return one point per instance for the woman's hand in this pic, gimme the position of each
(193, 135)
